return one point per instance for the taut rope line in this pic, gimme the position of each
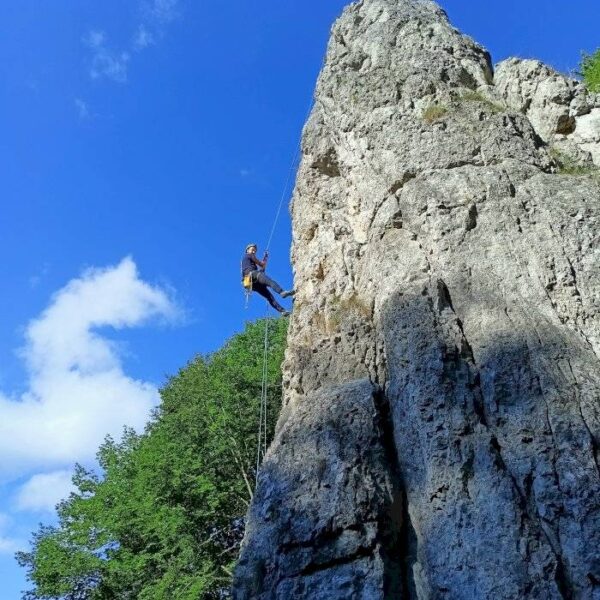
(289, 178)
(261, 447)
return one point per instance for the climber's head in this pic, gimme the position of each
(251, 248)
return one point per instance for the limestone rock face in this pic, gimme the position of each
(560, 109)
(440, 434)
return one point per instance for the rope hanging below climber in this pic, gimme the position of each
(261, 447)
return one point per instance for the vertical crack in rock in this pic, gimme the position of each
(407, 556)
(439, 436)
(394, 548)
(327, 515)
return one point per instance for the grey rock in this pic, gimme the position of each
(587, 133)
(561, 110)
(328, 503)
(441, 424)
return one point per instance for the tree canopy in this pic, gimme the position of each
(163, 518)
(590, 71)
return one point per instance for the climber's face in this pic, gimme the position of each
(252, 250)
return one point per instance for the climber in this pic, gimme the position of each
(255, 279)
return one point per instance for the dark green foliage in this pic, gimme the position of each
(590, 70)
(166, 518)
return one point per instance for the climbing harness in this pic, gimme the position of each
(247, 284)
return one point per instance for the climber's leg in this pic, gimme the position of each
(263, 278)
(263, 290)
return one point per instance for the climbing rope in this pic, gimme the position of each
(290, 173)
(283, 196)
(247, 294)
(261, 448)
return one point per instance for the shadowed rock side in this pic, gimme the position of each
(330, 505)
(441, 426)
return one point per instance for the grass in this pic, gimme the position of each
(434, 113)
(351, 306)
(478, 97)
(355, 304)
(568, 165)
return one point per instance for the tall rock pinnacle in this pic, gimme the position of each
(440, 436)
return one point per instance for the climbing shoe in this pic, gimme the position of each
(287, 293)
(286, 313)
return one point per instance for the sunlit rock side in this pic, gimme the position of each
(441, 426)
(561, 110)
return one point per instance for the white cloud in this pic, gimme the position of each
(161, 11)
(8, 545)
(96, 39)
(36, 279)
(78, 391)
(142, 39)
(43, 491)
(83, 109)
(105, 62)
(4, 522)
(112, 64)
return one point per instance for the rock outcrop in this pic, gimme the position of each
(440, 435)
(560, 109)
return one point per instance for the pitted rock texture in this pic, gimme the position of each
(332, 488)
(561, 110)
(440, 434)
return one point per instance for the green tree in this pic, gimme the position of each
(165, 518)
(590, 70)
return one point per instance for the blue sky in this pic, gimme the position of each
(144, 143)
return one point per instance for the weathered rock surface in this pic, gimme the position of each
(560, 109)
(441, 430)
(330, 500)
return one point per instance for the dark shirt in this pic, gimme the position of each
(249, 263)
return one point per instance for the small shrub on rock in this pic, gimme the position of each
(569, 165)
(590, 71)
(434, 113)
(478, 97)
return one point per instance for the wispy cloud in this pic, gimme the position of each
(110, 63)
(44, 491)
(8, 544)
(142, 39)
(106, 62)
(160, 11)
(83, 109)
(78, 391)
